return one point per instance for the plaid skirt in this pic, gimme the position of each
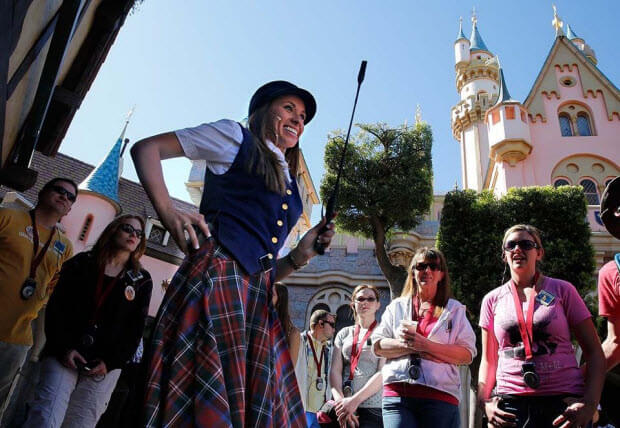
(219, 355)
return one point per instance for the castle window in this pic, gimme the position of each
(156, 232)
(560, 182)
(566, 127)
(583, 125)
(86, 228)
(589, 190)
(523, 119)
(510, 113)
(495, 116)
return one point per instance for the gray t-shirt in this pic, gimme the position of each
(367, 366)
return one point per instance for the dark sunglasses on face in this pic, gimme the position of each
(333, 324)
(422, 266)
(62, 191)
(127, 228)
(365, 299)
(524, 244)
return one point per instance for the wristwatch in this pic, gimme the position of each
(293, 262)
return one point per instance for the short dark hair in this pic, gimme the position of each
(319, 315)
(47, 186)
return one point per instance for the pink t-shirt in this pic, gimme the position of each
(609, 290)
(554, 355)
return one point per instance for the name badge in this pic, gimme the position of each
(545, 298)
(59, 247)
(134, 275)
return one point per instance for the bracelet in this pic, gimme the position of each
(293, 262)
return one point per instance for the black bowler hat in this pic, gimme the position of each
(610, 206)
(272, 90)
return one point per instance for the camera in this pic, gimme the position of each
(530, 377)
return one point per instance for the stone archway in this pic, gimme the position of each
(333, 299)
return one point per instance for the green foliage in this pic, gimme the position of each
(472, 227)
(387, 175)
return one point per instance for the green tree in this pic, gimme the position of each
(386, 184)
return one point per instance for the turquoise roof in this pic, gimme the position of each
(571, 34)
(104, 178)
(477, 44)
(461, 34)
(504, 95)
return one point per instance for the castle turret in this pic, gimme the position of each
(581, 44)
(477, 84)
(97, 203)
(509, 133)
(461, 48)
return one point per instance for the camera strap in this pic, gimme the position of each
(526, 325)
(356, 349)
(102, 294)
(318, 361)
(37, 258)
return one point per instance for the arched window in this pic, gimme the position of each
(589, 189)
(86, 228)
(583, 125)
(566, 127)
(560, 182)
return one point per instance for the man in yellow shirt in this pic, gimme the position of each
(32, 251)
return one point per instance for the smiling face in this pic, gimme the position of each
(289, 114)
(128, 240)
(57, 199)
(427, 273)
(521, 260)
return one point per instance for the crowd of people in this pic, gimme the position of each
(224, 351)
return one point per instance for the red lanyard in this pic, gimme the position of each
(355, 352)
(101, 294)
(526, 326)
(318, 362)
(36, 259)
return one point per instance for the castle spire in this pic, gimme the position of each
(461, 35)
(570, 34)
(504, 95)
(477, 44)
(103, 180)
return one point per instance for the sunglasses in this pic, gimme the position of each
(365, 299)
(422, 266)
(524, 244)
(62, 191)
(127, 228)
(333, 324)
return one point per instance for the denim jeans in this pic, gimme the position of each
(311, 420)
(401, 412)
(534, 411)
(12, 358)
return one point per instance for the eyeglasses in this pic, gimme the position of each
(422, 266)
(127, 228)
(62, 191)
(524, 244)
(365, 299)
(333, 324)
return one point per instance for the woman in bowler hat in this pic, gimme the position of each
(219, 354)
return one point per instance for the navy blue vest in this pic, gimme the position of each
(248, 219)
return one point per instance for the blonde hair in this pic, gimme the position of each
(443, 287)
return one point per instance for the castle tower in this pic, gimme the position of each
(581, 44)
(477, 77)
(97, 203)
(509, 134)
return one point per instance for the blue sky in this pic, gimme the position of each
(182, 63)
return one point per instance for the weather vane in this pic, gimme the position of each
(557, 22)
(474, 18)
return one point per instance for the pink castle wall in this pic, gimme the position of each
(549, 147)
(103, 213)
(159, 271)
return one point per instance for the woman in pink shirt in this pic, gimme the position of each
(527, 354)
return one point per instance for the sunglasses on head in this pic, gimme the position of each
(524, 244)
(62, 191)
(127, 228)
(422, 266)
(365, 299)
(333, 324)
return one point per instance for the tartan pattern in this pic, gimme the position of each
(219, 354)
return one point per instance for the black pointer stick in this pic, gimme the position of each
(331, 202)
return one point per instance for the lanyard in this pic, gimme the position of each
(318, 362)
(355, 352)
(36, 259)
(101, 294)
(526, 326)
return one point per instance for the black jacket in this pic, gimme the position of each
(71, 307)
